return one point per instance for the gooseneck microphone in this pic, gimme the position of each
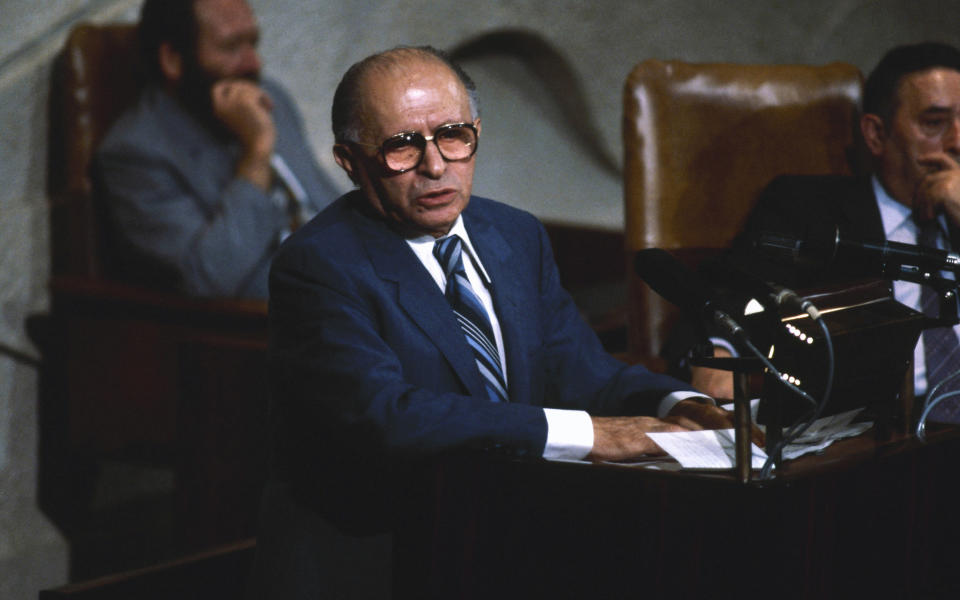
(823, 245)
(770, 295)
(677, 284)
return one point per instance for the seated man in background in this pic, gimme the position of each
(210, 170)
(911, 127)
(411, 318)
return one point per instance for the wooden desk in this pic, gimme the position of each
(866, 519)
(143, 376)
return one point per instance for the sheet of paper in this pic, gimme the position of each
(705, 449)
(824, 432)
(715, 449)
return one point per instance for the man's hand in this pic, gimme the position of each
(708, 416)
(715, 383)
(940, 189)
(622, 438)
(244, 109)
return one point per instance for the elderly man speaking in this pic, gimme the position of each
(411, 318)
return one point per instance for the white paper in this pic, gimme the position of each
(710, 449)
(824, 432)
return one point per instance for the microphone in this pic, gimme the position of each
(771, 295)
(823, 245)
(671, 279)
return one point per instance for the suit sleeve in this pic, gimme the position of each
(188, 213)
(579, 372)
(156, 210)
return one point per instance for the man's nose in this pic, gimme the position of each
(433, 164)
(250, 62)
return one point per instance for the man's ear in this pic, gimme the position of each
(344, 157)
(874, 133)
(171, 62)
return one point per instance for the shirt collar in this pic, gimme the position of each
(460, 230)
(893, 214)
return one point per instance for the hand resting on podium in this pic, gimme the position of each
(622, 438)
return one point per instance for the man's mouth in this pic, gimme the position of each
(436, 198)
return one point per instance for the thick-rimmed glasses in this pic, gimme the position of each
(404, 151)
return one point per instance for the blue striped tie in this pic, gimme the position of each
(471, 315)
(941, 348)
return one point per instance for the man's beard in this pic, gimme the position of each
(194, 93)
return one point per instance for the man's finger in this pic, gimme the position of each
(680, 423)
(938, 161)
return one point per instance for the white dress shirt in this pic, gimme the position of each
(569, 432)
(899, 226)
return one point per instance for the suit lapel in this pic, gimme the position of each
(420, 298)
(497, 258)
(861, 212)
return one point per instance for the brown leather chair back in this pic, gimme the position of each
(94, 79)
(702, 140)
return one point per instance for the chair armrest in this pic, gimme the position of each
(74, 296)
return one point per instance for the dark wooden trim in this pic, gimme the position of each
(217, 573)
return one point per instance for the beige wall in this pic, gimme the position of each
(525, 157)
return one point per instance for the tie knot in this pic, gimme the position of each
(447, 250)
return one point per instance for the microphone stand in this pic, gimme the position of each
(947, 316)
(741, 369)
(945, 288)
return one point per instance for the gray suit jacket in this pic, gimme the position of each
(177, 209)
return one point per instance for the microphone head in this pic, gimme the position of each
(820, 246)
(671, 279)
(816, 248)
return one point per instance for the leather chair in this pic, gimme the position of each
(119, 380)
(702, 140)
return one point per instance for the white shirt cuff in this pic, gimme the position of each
(726, 345)
(670, 400)
(569, 434)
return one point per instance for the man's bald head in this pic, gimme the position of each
(348, 100)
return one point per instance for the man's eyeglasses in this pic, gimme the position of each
(404, 151)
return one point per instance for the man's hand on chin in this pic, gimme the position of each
(940, 189)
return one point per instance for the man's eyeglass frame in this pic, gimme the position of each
(418, 140)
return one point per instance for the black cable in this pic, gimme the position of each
(802, 424)
(931, 401)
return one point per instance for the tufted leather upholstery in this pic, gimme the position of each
(701, 141)
(95, 79)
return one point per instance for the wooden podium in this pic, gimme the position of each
(877, 516)
(867, 519)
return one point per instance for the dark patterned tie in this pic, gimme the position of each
(472, 316)
(941, 348)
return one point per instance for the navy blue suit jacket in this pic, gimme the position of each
(372, 369)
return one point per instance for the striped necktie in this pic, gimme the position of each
(941, 348)
(471, 315)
